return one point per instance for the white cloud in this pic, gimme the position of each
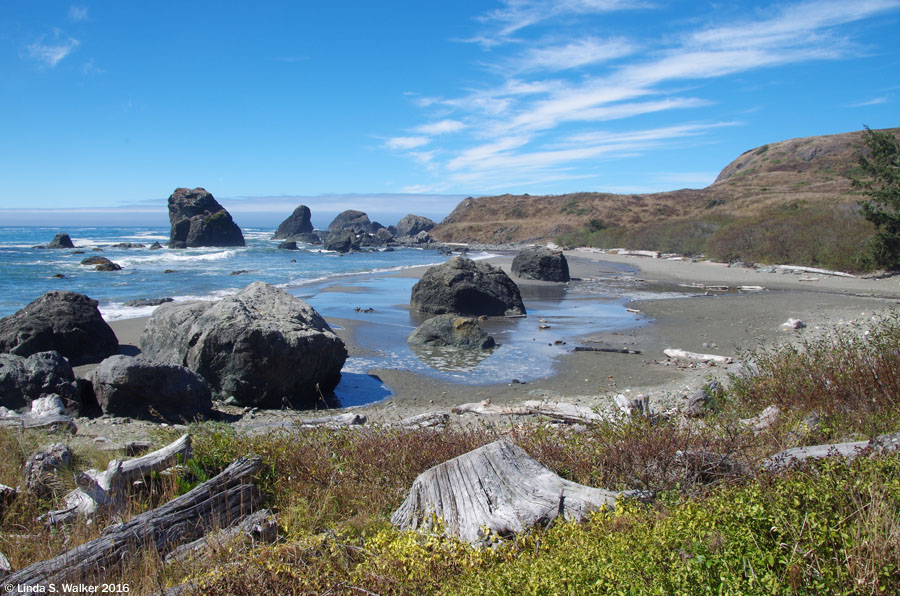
(50, 53)
(870, 102)
(78, 13)
(406, 142)
(441, 127)
(580, 53)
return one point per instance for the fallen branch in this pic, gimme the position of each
(259, 526)
(348, 419)
(814, 270)
(558, 410)
(215, 503)
(426, 420)
(610, 350)
(789, 457)
(685, 355)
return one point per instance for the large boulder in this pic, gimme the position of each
(542, 264)
(261, 346)
(466, 287)
(355, 221)
(197, 219)
(413, 224)
(23, 380)
(64, 322)
(342, 241)
(139, 388)
(296, 224)
(61, 241)
(452, 331)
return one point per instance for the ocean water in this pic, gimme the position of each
(359, 286)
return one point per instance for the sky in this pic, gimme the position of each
(398, 107)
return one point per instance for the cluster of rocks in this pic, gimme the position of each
(260, 347)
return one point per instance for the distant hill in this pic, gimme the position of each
(807, 176)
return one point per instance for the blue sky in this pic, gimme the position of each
(397, 107)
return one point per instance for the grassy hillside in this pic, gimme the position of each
(781, 202)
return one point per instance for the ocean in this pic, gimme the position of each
(357, 286)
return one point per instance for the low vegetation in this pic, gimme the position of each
(823, 528)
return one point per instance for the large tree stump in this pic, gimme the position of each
(214, 504)
(496, 489)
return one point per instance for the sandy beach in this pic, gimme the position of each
(728, 323)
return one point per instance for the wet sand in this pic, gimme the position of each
(722, 323)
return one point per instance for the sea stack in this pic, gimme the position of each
(298, 223)
(199, 220)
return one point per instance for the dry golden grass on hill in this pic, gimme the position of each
(808, 173)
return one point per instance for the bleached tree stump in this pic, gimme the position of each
(496, 489)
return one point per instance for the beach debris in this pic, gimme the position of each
(789, 457)
(793, 324)
(751, 288)
(5, 567)
(708, 288)
(559, 410)
(685, 355)
(633, 406)
(348, 419)
(634, 253)
(542, 264)
(633, 311)
(799, 269)
(610, 350)
(258, 527)
(706, 466)
(497, 490)
(764, 420)
(108, 489)
(368, 310)
(542, 327)
(222, 500)
(426, 420)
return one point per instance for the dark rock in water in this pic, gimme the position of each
(467, 287)
(413, 224)
(77, 252)
(452, 331)
(101, 264)
(128, 245)
(155, 246)
(199, 220)
(542, 264)
(342, 241)
(310, 238)
(23, 380)
(147, 301)
(58, 276)
(262, 346)
(239, 272)
(61, 241)
(43, 468)
(64, 322)
(169, 271)
(139, 388)
(355, 221)
(444, 251)
(288, 245)
(297, 223)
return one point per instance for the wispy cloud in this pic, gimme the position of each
(78, 13)
(49, 53)
(869, 102)
(526, 125)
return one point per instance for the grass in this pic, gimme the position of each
(829, 527)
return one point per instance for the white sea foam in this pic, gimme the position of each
(180, 256)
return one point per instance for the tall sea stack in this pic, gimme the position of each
(199, 220)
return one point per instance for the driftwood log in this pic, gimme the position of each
(789, 457)
(558, 410)
(108, 489)
(348, 419)
(685, 355)
(427, 420)
(609, 350)
(764, 420)
(497, 489)
(259, 526)
(49, 422)
(213, 504)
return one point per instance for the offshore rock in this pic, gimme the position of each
(297, 223)
(139, 388)
(61, 241)
(542, 264)
(64, 322)
(466, 287)
(197, 219)
(262, 346)
(413, 224)
(452, 331)
(355, 221)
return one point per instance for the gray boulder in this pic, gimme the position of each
(23, 380)
(139, 388)
(297, 223)
(466, 287)
(413, 224)
(342, 241)
(61, 241)
(197, 219)
(542, 264)
(288, 245)
(452, 331)
(355, 221)
(64, 322)
(262, 346)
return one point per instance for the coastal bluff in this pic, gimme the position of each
(197, 219)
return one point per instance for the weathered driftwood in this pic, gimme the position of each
(684, 354)
(259, 526)
(558, 410)
(764, 420)
(610, 350)
(638, 405)
(497, 489)
(49, 422)
(788, 457)
(5, 567)
(635, 253)
(348, 419)
(814, 270)
(215, 503)
(108, 489)
(707, 466)
(426, 420)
